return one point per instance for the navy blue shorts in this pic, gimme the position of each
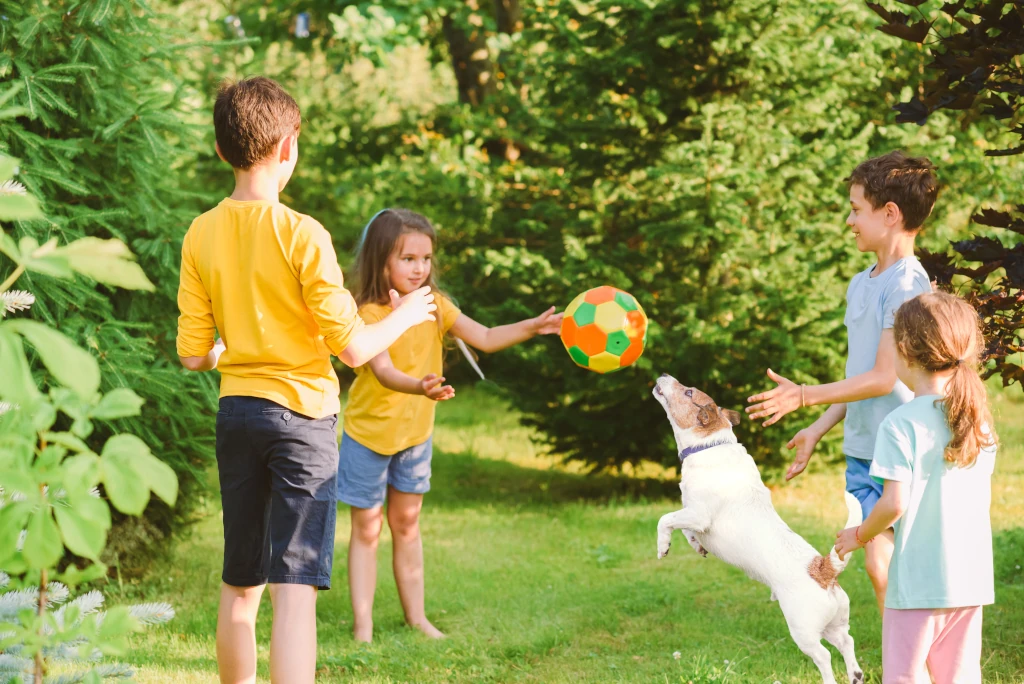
(278, 472)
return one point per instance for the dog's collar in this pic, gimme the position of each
(690, 451)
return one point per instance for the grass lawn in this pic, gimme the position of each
(538, 574)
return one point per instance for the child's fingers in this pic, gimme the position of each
(763, 396)
(791, 444)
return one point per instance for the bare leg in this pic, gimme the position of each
(877, 555)
(236, 633)
(404, 521)
(362, 569)
(293, 636)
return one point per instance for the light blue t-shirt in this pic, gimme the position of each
(943, 554)
(871, 305)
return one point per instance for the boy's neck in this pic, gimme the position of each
(901, 247)
(256, 184)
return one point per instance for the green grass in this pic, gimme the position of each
(538, 574)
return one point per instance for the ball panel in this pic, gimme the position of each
(575, 304)
(584, 315)
(600, 295)
(617, 342)
(609, 316)
(626, 301)
(632, 353)
(579, 356)
(591, 339)
(636, 324)
(568, 332)
(604, 362)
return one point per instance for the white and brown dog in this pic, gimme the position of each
(727, 511)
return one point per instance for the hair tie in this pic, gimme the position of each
(366, 228)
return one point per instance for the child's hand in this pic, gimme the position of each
(433, 389)
(418, 305)
(846, 542)
(777, 402)
(804, 443)
(548, 323)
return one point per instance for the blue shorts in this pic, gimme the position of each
(865, 488)
(364, 475)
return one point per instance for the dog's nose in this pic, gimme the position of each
(663, 375)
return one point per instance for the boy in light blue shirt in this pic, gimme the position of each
(890, 198)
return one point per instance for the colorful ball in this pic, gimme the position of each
(604, 329)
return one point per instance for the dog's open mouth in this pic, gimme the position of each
(657, 389)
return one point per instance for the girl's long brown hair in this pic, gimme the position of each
(381, 237)
(940, 332)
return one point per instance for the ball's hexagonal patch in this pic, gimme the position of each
(591, 339)
(636, 324)
(600, 295)
(604, 362)
(626, 301)
(617, 342)
(632, 353)
(609, 316)
(584, 314)
(568, 332)
(579, 356)
(575, 304)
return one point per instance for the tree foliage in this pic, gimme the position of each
(975, 68)
(93, 111)
(691, 153)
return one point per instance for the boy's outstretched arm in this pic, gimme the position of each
(501, 337)
(370, 340)
(789, 396)
(395, 380)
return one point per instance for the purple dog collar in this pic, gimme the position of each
(690, 451)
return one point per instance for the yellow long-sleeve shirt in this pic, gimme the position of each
(267, 278)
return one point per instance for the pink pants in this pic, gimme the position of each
(947, 640)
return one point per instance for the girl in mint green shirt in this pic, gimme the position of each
(934, 456)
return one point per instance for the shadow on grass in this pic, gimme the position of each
(463, 480)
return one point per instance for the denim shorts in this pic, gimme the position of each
(364, 475)
(278, 473)
(865, 488)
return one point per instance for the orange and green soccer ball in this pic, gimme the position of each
(604, 329)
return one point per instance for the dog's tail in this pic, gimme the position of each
(856, 518)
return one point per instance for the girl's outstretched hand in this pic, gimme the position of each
(433, 389)
(548, 323)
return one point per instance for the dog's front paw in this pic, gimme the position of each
(664, 542)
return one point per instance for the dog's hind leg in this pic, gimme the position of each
(837, 633)
(811, 645)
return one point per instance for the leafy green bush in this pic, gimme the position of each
(49, 474)
(93, 111)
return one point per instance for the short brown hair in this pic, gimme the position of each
(250, 117)
(907, 182)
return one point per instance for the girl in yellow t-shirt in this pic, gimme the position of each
(386, 445)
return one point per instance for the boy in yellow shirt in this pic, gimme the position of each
(267, 278)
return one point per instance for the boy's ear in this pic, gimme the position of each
(220, 154)
(893, 213)
(732, 416)
(287, 148)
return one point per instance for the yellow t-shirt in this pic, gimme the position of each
(386, 421)
(268, 279)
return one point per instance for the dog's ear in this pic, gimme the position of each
(703, 417)
(732, 416)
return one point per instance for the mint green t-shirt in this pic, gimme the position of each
(943, 554)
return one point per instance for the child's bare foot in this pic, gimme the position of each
(363, 633)
(428, 629)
